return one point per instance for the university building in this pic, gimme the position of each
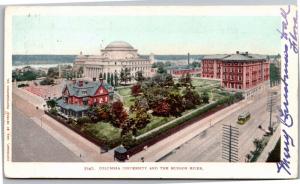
(243, 72)
(178, 71)
(78, 96)
(116, 56)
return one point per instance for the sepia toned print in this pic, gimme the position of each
(160, 93)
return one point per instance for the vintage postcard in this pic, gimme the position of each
(151, 92)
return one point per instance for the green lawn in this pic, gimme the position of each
(156, 121)
(124, 91)
(128, 101)
(103, 131)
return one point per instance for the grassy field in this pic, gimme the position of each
(124, 91)
(156, 121)
(128, 101)
(212, 87)
(103, 131)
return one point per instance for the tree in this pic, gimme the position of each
(176, 102)
(139, 119)
(274, 73)
(104, 76)
(139, 103)
(108, 78)
(104, 112)
(116, 79)
(158, 79)
(168, 80)
(51, 103)
(92, 112)
(119, 115)
(53, 72)
(100, 76)
(185, 79)
(205, 97)
(238, 96)
(112, 80)
(161, 70)
(47, 81)
(188, 79)
(127, 139)
(258, 144)
(125, 75)
(195, 64)
(162, 108)
(136, 89)
(191, 98)
(139, 76)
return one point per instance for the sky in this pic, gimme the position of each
(148, 34)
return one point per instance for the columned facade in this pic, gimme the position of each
(115, 57)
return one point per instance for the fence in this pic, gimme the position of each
(89, 137)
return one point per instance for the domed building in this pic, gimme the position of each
(116, 56)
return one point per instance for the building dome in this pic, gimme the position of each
(119, 45)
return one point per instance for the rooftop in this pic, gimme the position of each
(238, 56)
(87, 88)
(73, 107)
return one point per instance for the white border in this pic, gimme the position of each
(76, 170)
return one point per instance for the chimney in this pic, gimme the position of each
(237, 52)
(188, 58)
(94, 78)
(80, 83)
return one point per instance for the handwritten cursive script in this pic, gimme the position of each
(286, 118)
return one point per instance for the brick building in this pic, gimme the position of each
(238, 72)
(178, 71)
(78, 96)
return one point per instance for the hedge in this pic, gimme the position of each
(136, 145)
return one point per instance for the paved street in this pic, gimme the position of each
(31, 143)
(79, 146)
(206, 146)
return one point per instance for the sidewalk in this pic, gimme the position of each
(83, 148)
(270, 146)
(163, 147)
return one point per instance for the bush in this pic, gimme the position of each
(128, 140)
(53, 111)
(136, 89)
(22, 85)
(47, 81)
(84, 119)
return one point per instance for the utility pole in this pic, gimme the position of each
(271, 102)
(230, 143)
